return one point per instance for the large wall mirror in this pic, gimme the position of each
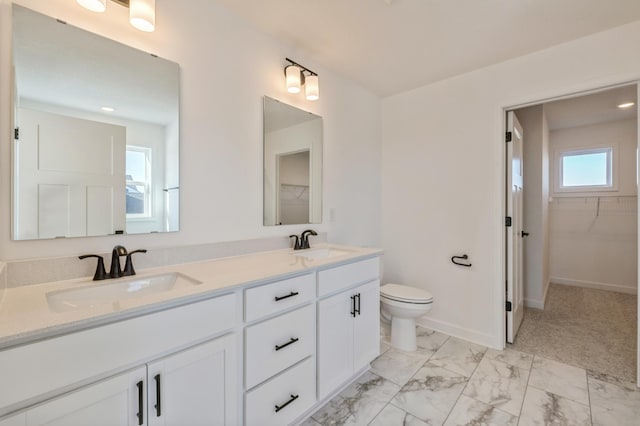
(292, 165)
(97, 141)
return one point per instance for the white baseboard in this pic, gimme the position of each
(459, 332)
(546, 291)
(534, 303)
(595, 285)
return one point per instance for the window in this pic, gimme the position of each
(585, 170)
(138, 171)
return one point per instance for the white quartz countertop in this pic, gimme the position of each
(25, 314)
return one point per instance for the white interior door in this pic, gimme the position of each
(70, 176)
(514, 232)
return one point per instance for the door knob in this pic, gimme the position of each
(524, 234)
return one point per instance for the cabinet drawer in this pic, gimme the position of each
(278, 343)
(296, 386)
(275, 297)
(334, 279)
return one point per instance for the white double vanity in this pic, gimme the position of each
(259, 339)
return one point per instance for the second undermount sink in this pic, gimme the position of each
(111, 291)
(320, 252)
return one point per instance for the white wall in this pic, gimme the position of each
(536, 204)
(594, 242)
(226, 69)
(443, 173)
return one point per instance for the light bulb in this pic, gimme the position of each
(311, 88)
(94, 5)
(142, 14)
(293, 76)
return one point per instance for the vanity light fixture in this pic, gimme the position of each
(295, 78)
(626, 105)
(142, 13)
(94, 5)
(107, 109)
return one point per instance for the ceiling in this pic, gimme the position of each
(595, 108)
(390, 46)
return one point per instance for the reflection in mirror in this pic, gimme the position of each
(292, 165)
(97, 147)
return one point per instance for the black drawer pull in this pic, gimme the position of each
(158, 407)
(357, 310)
(293, 293)
(293, 398)
(140, 402)
(290, 342)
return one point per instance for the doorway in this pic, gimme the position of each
(580, 213)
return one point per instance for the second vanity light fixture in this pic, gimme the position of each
(142, 13)
(295, 78)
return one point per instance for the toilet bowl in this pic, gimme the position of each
(403, 304)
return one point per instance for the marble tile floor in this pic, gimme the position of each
(448, 381)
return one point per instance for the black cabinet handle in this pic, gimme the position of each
(353, 306)
(140, 402)
(293, 398)
(290, 342)
(158, 405)
(524, 234)
(357, 310)
(293, 293)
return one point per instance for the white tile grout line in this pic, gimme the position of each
(526, 388)
(589, 398)
(465, 386)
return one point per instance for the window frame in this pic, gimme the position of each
(612, 169)
(611, 149)
(147, 183)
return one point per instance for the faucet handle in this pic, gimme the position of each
(128, 266)
(100, 273)
(297, 245)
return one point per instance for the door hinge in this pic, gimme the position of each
(509, 136)
(16, 133)
(508, 306)
(507, 221)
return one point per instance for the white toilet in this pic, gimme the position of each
(403, 304)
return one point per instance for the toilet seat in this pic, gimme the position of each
(405, 294)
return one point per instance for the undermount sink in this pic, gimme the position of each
(320, 253)
(111, 291)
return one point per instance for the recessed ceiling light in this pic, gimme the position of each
(626, 105)
(107, 109)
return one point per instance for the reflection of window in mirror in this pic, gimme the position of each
(138, 172)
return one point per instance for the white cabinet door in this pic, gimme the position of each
(348, 335)
(195, 387)
(366, 336)
(335, 342)
(120, 400)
